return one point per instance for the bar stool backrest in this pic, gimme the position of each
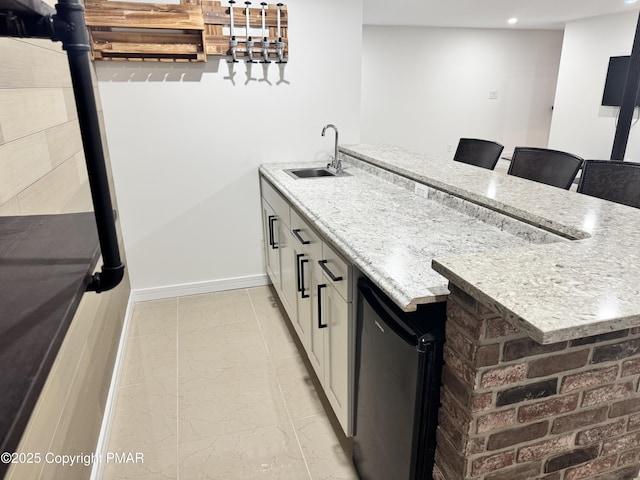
(478, 152)
(610, 180)
(543, 165)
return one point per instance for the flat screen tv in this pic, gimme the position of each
(616, 79)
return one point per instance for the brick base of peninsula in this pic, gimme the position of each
(513, 409)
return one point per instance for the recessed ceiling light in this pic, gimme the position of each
(512, 21)
(630, 1)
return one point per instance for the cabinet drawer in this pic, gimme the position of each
(338, 266)
(277, 202)
(303, 232)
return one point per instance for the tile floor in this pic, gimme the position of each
(215, 387)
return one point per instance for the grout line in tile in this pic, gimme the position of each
(310, 416)
(135, 337)
(284, 400)
(224, 323)
(132, 333)
(293, 428)
(255, 317)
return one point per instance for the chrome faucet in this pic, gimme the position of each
(336, 163)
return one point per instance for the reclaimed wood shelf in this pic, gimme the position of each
(145, 31)
(186, 32)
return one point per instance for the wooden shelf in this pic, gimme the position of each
(186, 32)
(145, 31)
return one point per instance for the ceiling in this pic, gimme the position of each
(541, 14)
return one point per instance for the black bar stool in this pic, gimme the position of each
(552, 167)
(478, 152)
(610, 180)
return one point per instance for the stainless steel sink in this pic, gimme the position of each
(315, 172)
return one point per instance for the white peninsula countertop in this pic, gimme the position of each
(556, 264)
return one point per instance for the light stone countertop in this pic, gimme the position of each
(554, 291)
(584, 282)
(388, 232)
(374, 218)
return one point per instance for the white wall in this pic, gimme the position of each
(580, 124)
(186, 142)
(424, 88)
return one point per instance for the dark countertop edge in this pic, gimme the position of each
(12, 437)
(29, 7)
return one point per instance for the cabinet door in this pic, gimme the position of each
(315, 352)
(303, 320)
(308, 250)
(271, 256)
(336, 356)
(287, 270)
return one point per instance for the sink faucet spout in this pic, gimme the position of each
(336, 163)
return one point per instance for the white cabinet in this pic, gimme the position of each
(278, 245)
(287, 270)
(324, 323)
(307, 251)
(337, 332)
(271, 254)
(316, 351)
(314, 284)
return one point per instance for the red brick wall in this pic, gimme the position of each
(513, 409)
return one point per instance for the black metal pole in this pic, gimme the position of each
(628, 103)
(70, 28)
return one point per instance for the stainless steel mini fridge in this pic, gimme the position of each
(397, 395)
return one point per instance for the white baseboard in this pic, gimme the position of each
(110, 406)
(198, 288)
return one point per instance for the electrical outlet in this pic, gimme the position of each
(493, 94)
(449, 148)
(420, 190)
